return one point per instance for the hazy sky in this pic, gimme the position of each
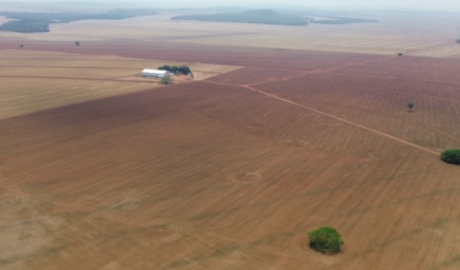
(435, 5)
(393, 4)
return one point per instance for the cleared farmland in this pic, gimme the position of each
(34, 81)
(233, 171)
(393, 32)
(230, 172)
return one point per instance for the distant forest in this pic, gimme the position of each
(263, 16)
(25, 22)
(266, 16)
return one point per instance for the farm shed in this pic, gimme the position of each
(155, 73)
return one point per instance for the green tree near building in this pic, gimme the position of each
(176, 69)
(165, 80)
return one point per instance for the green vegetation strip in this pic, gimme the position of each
(262, 16)
(266, 16)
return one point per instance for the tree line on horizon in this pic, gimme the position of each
(34, 22)
(261, 16)
(267, 16)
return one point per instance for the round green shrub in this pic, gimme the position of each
(451, 156)
(325, 240)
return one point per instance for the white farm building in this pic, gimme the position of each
(155, 73)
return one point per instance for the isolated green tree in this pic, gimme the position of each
(165, 80)
(325, 240)
(451, 156)
(410, 105)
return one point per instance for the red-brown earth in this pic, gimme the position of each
(232, 172)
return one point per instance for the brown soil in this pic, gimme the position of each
(232, 174)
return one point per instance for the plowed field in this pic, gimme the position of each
(232, 172)
(283, 130)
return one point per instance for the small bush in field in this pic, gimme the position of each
(325, 240)
(451, 156)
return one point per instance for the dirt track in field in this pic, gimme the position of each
(232, 172)
(342, 120)
(249, 87)
(432, 128)
(331, 70)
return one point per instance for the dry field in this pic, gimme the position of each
(33, 81)
(393, 33)
(231, 171)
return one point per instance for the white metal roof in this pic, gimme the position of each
(154, 71)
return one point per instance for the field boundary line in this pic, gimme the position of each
(403, 119)
(76, 79)
(97, 67)
(394, 91)
(341, 119)
(392, 77)
(317, 71)
(336, 118)
(427, 49)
